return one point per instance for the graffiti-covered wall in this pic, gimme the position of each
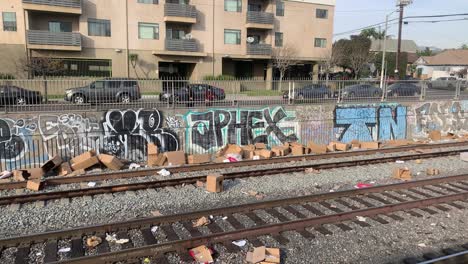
(30, 139)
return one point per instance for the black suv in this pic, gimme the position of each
(193, 92)
(106, 90)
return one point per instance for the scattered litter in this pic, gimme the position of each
(421, 245)
(146, 261)
(111, 238)
(211, 217)
(360, 218)
(231, 159)
(402, 174)
(418, 161)
(448, 215)
(5, 174)
(91, 184)
(122, 241)
(38, 254)
(201, 222)
(256, 157)
(263, 255)
(154, 229)
(226, 161)
(156, 213)
(252, 193)
(134, 166)
(225, 218)
(93, 241)
(433, 224)
(312, 170)
(399, 161)
(239, 243)
(164, 172)
(64, 250)
(361, 185)
(234, 157)
(200, 184)
(332, 190)
(201, 254)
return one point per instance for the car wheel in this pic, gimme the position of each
(124, 98)
(20, 101)
(78, 99)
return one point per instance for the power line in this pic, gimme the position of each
(395, 19)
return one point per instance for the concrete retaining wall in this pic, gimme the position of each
(29, 139)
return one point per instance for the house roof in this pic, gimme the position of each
(448, 57)
(392, 45)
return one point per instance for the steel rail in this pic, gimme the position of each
(212, 166)
(44, 196)
(146, 222)
(301, 224)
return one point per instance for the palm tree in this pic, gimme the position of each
(373, 33)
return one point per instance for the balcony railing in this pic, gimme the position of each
(62, 3)
(180, 10)
(40, 37)
(260, 17)
(259, 49)
(189, 45)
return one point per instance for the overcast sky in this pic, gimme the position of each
(353, 14)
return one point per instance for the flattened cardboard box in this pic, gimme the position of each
(85, 163)
(260, 146)
(317, 149)
(341, 146)
(435, 135)
(110, 161)
(84, 156)
(34, 184)
(370, 145)
(64, 169)
(248, 154)
(19, 175)
(263, 153)
(355, 144)
(280, 151)
(175, 158)
(52, 163)
(34, 173)
(152, 149)
(199, 158)
(402, 174)
(297, 149)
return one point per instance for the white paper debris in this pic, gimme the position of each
(154, 229)
(164, 172)
(64, 250)
(239, 243)
(211, 217)
(360, 218)
(400, 161)
(332, 190)
(421, 245)
(5, 174)
(225, 218)
(38, 254)
(134, 166)
(433, 224)
(256, 157)
(122, 241)
(111, 238)
(91, 184)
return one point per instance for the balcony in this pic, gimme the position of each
(181, 47)
(259, 50)
(46, 40)
(180, 13)
(57, 6)
(260, 20)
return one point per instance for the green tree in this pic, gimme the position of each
(390, 61)
(464, 47)
(426, 52)
(373, 33)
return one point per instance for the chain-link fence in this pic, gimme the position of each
(101, 94)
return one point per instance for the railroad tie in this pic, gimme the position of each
(323, 230)
(379, 220)
(192, 230)
(362, 201)
(330, 207)
(148, 236)
(124, 235)
(379, 199)
(231, 248)
(458, 186)
(395, 217)
(234, 222)
(306, 234)
(77, 249)
(22, 255)
(255, 242)
(413, 213)
(454, 204)
(171, 235)
(313, 210)
(406, 194)
(442, 208)
(280, 238)
(420, 193)
(254, 217)
(394, 197)
(273, 212)
(431, 189)
(447, 188)
(50, 251)
(346, 204)
(294, 212)
(431, 255)
(161, 259)
(428, 210)
(103, 247)
(214, 227)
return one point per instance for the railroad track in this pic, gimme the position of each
(66, 194)
(306, 215)
(54, 181)
(445, 256)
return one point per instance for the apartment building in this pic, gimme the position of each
(165, 38)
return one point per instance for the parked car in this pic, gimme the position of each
(447, 83)
(193, 92)
(106, 90)
(14, 95)
(403, 89)
(361, 90)
(310, 91)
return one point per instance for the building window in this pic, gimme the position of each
(321, 13)
(279, 8)
(232, 36)
(233, 5)
(99, 27)
(278, 39)
(174, 33)
(148, 31)
(9, 21)
(320, 43)
(55, 26)
(148, 1)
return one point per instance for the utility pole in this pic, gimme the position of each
(401, 4)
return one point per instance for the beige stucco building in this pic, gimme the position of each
(165, 38)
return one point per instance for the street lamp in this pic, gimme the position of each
(385, 48)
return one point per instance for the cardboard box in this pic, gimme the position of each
(199, 158)
(34, 184)
(219, 160)
(280, 151)
(272, 255)
(84, 156)
(435, 135)
(85, 162)
(202, 254)
(34, 173)
(260, 146)
(398, 142)
(214, 183)
(152, 149)
(52, 163)
(111, 162)
(258, 254)
(175, 158)
(229, 149)
(432, 171)
(341, 146)
(331, 147)
(77, 173)
(370, 145)
(248, 154)
(64, 169)
(263, 153)
(402, 174)
(297, 149)
(317, 149)
(355, 144)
